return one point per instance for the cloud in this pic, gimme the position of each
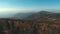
(17, 9)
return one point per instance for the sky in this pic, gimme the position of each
(28, 5)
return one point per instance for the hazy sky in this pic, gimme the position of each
(29, 5)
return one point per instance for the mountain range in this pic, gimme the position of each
(42, 15)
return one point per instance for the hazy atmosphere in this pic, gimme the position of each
(11, 5)
(29, 16)
(8, 7)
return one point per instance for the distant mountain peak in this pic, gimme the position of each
(44, 12)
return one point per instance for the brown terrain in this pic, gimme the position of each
(12, 26)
